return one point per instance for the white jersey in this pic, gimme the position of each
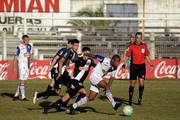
(23, 54)
(103, 67)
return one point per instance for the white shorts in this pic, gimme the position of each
(95, 79)
(94, 88)
(23, 73)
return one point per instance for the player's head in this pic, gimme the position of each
(25, 39)
(115, 61)
(75, 45)
(132, 38)
(138, 37)
(69, 44)
(86, 51)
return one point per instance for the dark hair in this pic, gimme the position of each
(74, 41)
(25, 36)
(86, 49)
(70, 41)
(138, 33)
(116, 57)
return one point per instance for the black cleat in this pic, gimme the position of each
(71, 110)
(25, 99)
(15, 98)
(139, 102)
(117, 105)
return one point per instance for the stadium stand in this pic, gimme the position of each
(102, 40)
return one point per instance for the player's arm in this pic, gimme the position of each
(15, 60)
(60, 64)
(149, 61)
(147, 57)
(64, 57)
(54, 60)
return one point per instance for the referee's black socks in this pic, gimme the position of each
(141, 89)
(131, 91)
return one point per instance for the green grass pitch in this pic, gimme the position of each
(161, 102)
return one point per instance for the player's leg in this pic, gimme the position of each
(133, 79)
(82, 93)
(141, 76)
(131, 90)
(22, 89)
(92, 95)
(141, 90)
(104, 84)
(17, 93)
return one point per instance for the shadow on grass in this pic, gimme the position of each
(117, 99)
(11, 95)
(42, 105)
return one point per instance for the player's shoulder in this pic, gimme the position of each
(29, 46)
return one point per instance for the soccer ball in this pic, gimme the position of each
(128, 110)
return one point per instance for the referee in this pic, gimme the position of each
(138, 53)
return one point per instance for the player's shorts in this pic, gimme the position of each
(75, 86)
(23, 72)
(95, 78)
(94, 88)
(137, 71)
(63, 80)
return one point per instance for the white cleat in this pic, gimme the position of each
(35, 97)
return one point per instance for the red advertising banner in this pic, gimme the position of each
(163, 69)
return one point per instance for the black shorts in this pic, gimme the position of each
(63, 80)
(75, 86)
(137, 71)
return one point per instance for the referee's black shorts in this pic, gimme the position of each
(137, 71)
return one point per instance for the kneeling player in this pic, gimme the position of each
(106, 65)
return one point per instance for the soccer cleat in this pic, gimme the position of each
(117, 105)
(25, 99)
(71, 110)
(139, 102)
(35, 97)
(15, 98)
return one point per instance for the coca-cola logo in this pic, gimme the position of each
(120, 74)
(3, 71)
(166, 71)
(39, 71)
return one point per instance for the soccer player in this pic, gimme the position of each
(105, 66)
(63, 57)
(81, 71)
(22, 59)
(138, 52)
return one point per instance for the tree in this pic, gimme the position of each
(87, 12)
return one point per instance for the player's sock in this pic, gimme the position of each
(110, 97)
(141, 89)
(22, 89)
(41, 94)
(81, 95)
(17, 92)
(81, 102)
(131, 91)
